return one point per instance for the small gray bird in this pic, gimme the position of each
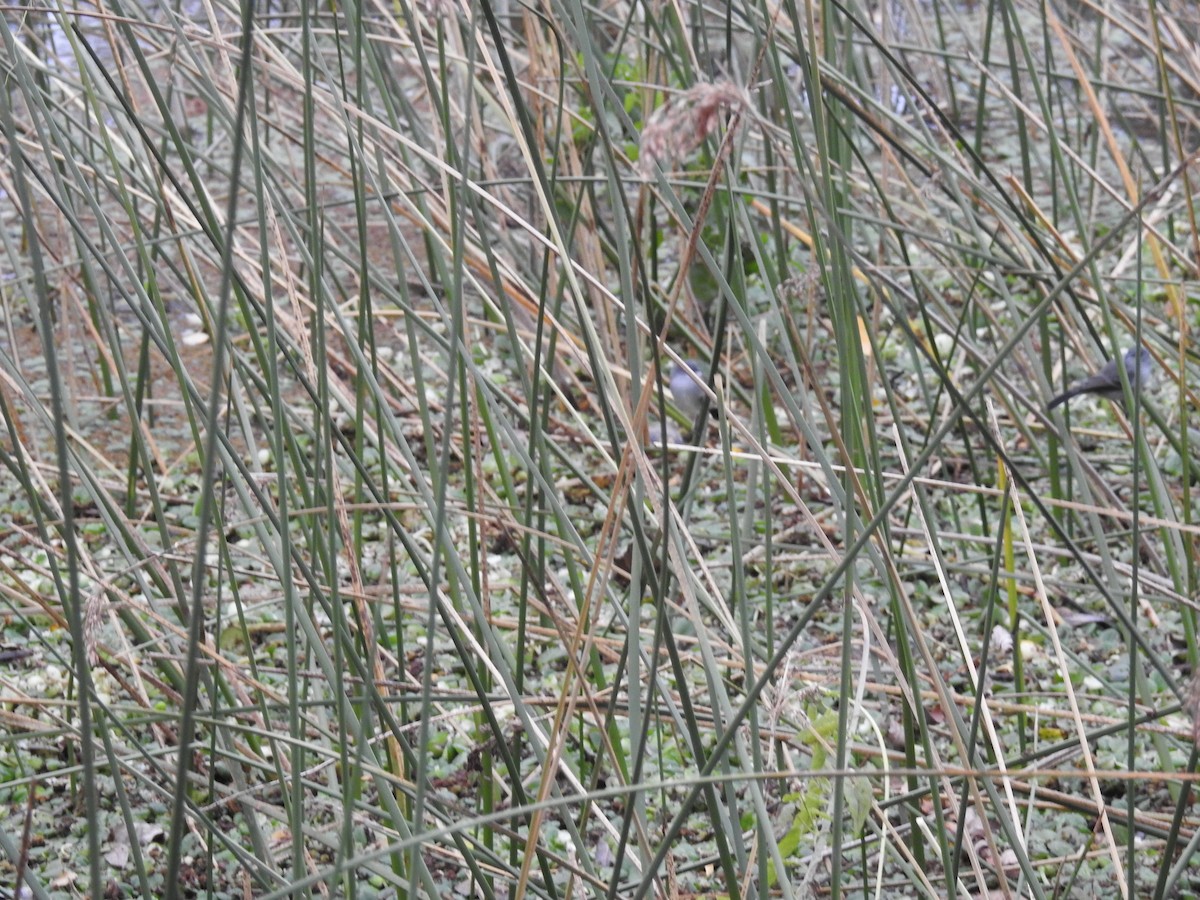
(1107, 382)
(688, 394)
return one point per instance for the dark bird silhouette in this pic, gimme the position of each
(1107, 382)
(688, 393)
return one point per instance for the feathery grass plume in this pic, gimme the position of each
(93, 615)
(678, 127)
